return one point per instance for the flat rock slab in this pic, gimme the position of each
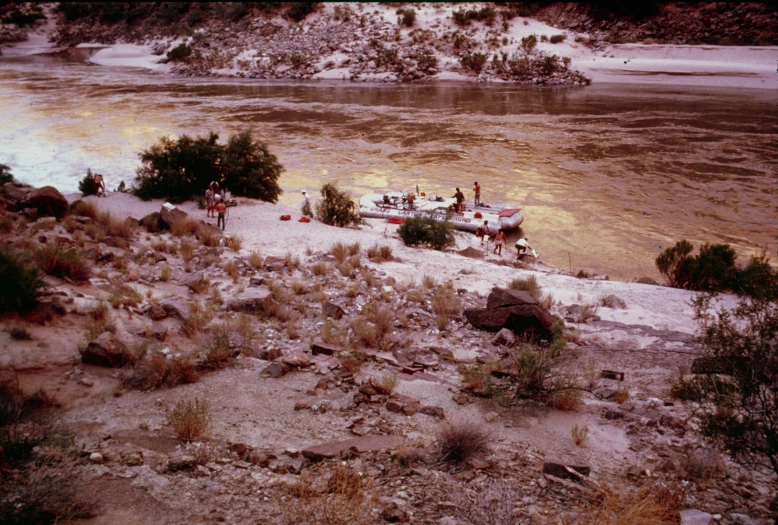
(507, 297)
(695, 517)
(252, 300)
(319, 348)
(360, 445)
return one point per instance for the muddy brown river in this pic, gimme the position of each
(607, 175)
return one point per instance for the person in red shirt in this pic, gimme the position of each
(477, 190)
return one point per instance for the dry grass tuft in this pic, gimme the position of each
(87, 209)
(652, 504)
(621, 395)
(460, 441)
(579, 434)
(330, 494)
(190, 419)
(379, 254)
(186, 226)
(389, 381)
(59, 261)
(320, 268)
(428, 282)
(125, 295)
(339, 251)
(255, 260)
(187, 250)
(529, 284)
(234, 242)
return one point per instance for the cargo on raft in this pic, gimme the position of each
(396, 207)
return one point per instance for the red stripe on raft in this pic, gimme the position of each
(508, 212)
(395, 220)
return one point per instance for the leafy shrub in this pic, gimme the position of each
(474, 61)
(336, 207)
(738, 407)
(555, 39)
(529, 43)
(712, 269)
(190, 419)
(408, 17)
(426, 230)
(23, 19)
(458, 442)
(179, 169)
(180, 52)
(21, 284)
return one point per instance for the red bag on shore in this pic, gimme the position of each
(286, 217)
(304, 219)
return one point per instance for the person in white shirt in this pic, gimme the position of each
(522, 247)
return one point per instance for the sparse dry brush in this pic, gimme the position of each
(579, 434)
(528, 284)
(63, 262)
(380, 253)
(656, 503)
(330, 494)
(459, 441)
(190, 419)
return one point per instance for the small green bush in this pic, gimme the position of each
(21, 284)
(190, 419)
(87, 185)
(299, 10)
(180, 52)
(336, 207)
(556, 39)
(474, 61)
(426, 230)
(408, 17)
(529, 43)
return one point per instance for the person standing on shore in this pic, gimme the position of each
(306, 206)
(499, 240)
(460, 197)
(209, 203)
(221, 209)
(477, 190)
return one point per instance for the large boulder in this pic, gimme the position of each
(251, 300)
(507, 297)
(106, 350)
(47, 200)
(176, 307)
(170, 214)
(515, 310)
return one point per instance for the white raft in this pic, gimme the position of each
(394, 206)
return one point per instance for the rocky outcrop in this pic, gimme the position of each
(47, 200)
(517, 311)
(251, 300)
(170, 215)
(106, 350)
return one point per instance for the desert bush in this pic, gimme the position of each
(231, 268)
(459, 441)
(187, 251)
(381, 316)
(299, 10)
(738, 407)
(218, 351)
(181, 52)
(336, 207)
(379, 253)
(351, 360)
(87, 185)
(339, 251)
(185, 226)
(190, 419)
(474, 61)
(621, 395)
(320, 268)
(329, 493)
(492, 504)
(426, 231)
(712, 269)
(255, 260)
(408, 17)
(555, 39)
(19, 333)
(21, 283)
(529, 43)
(177, 170)
(389, 381)
(428, 282)
(579, 434)
(63, 262)
(7, 224)
(655, 503)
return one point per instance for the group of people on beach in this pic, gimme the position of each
(216, 203)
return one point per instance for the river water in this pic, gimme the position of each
(607, 175)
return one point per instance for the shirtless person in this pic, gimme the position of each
(499, 240)
(460, 197)
(221, 209)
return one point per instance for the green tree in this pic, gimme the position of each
(250, 169)
(712, 269)
(87, 185)
(336, 207)
(21, 284)
(181, 169)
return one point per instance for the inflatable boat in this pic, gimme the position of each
(396, 207)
